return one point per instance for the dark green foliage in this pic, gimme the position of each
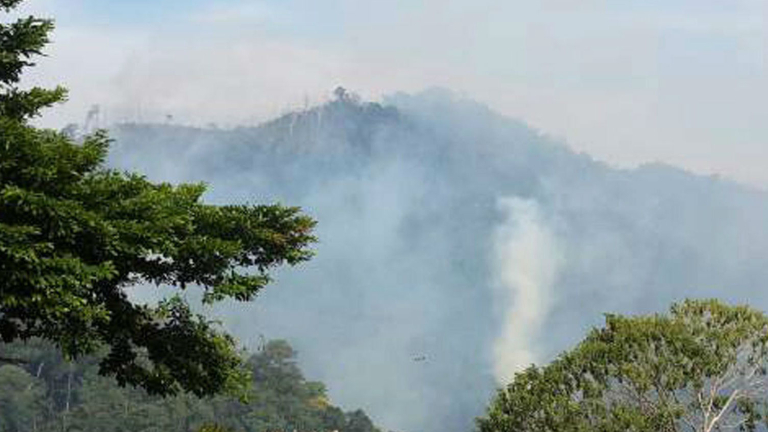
(21, 399)
(213, 428)
(19, 42)
(357, 421)
(74, 236)
(49, 394)
(700, 368)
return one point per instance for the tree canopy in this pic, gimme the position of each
(76, 236)
(49, 394)
(700, 368)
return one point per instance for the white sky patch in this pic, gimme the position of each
(136, 78)
(88, 64)
(527, 261)
(242, 12)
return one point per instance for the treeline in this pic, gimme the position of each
(40, 391)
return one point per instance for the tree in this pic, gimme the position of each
(282, 398)
(75, 236)
(700, 368)
(49, 394)
(358, 421)
(21, 400)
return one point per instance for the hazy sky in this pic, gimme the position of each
(681, 81)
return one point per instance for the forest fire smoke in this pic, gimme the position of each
(527, 262)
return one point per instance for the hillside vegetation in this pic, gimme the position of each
(45, 393)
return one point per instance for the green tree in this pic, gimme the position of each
(700, 368)
(282, 399)
(75, 236)
(51, 394)
(358, 421)
(22, 400)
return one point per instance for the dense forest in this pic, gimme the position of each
(42, 392)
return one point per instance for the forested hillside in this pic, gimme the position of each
(456, 245)
(42, 392)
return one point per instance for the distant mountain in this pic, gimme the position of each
(460, 237)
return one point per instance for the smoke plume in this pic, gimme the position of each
(527, 262)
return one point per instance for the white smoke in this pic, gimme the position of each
(527, 261)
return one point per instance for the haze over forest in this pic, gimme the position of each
(456, 245)
(629, 83)
(493, 179)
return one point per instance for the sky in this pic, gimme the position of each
(682, 82)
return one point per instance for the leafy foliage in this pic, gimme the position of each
(51, 394)
(702, 368)
(20, 399)
(75, 236)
